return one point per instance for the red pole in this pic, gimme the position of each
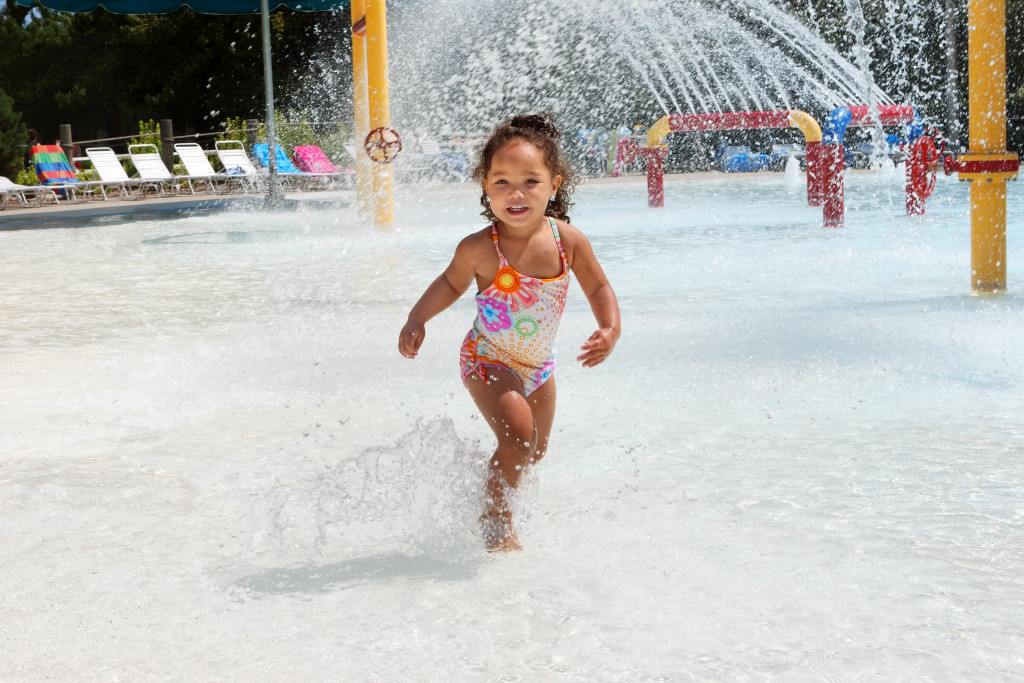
(915, 202)
(832, 185)
(655, 175)
(815, 174)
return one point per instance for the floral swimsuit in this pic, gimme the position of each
(516, 323)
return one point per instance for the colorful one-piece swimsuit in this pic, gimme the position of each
(516, 323)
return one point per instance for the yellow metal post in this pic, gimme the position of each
(361, 105)
(988, 236)
(987, 163)
(379, 106)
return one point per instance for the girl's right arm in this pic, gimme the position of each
(442, 293)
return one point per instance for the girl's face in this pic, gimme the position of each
(519, 184)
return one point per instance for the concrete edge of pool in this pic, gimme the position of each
(59, 215)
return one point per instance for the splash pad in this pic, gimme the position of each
(804, 466)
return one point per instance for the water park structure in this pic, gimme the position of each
(371, 103)
(987, 164)
(824, 149)
(656, 150)
(829, 189)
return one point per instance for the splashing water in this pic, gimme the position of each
(609, 61)
(422, 494)
(862, 58)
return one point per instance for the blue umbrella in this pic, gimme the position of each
(209, 7)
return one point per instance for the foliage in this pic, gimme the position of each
(333, 144)
(184, 66)
(13, 135)
(1015, 124)
(26, 176)
(234, 129)
(290, 130)
(149, 134)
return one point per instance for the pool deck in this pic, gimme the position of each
(59, 215)
(14, 217)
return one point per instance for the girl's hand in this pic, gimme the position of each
(598, 347)
(599, 292)
(445, 290)
(410, 339)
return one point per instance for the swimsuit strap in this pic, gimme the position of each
(502, 263)
(558, 238)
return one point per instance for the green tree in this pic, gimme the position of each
(13, 134)
(104, 72)
(32, 65)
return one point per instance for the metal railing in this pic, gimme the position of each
(165, 138)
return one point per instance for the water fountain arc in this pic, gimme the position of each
(609, 62)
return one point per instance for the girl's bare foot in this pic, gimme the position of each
(509, 544)
(499, 535)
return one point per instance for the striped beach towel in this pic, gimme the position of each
(52, 166)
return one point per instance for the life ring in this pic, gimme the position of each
(383, 144)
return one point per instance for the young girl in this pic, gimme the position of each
(520, 264)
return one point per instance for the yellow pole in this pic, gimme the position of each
(987, 163)
(361, 105)
(380, 108)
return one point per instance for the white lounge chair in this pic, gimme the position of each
(235, 160)
(197, 165)
(25, 195)
(112, 174)
(350, 149)
(432, 163)
(150, 167)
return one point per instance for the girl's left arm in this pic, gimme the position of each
(601, 296)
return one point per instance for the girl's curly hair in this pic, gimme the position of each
(540, 131)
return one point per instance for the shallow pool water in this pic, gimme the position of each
(803, 461)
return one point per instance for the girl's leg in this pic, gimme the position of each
(522, 425)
